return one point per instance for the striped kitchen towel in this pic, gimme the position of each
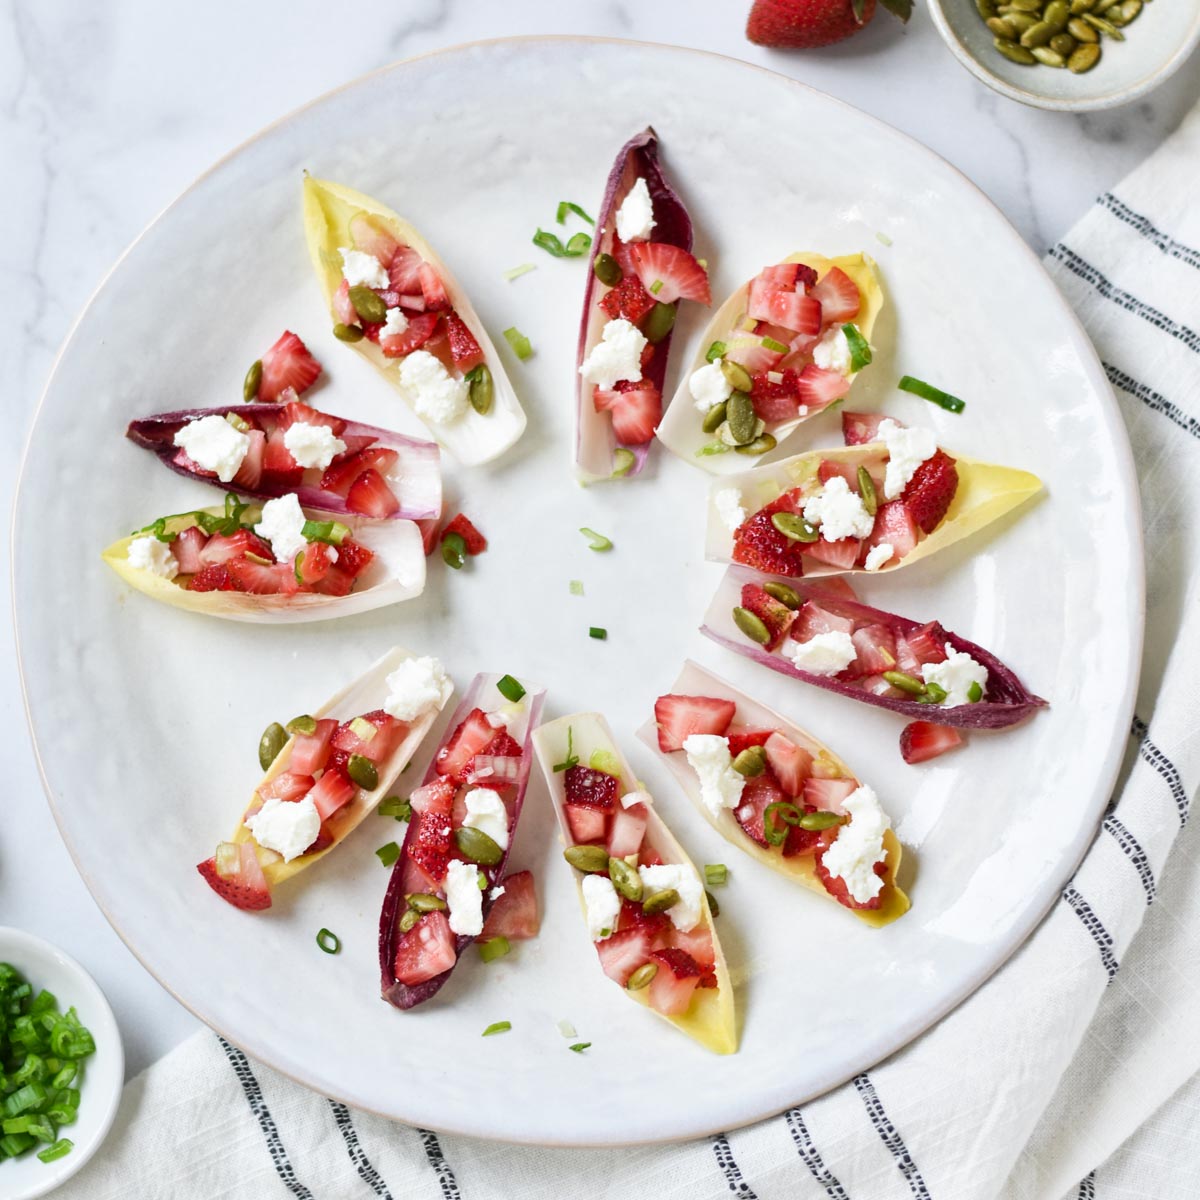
(1072, 1073)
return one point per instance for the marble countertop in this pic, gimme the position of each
(106, 116)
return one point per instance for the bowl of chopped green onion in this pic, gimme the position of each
(61, 1066)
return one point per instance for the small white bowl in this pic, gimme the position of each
(1155, 46)
(45, 966)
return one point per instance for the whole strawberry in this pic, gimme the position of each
(806, 24)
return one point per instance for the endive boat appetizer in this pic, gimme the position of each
(272, 562)
(641, 267)
(836, 642)
(776, 792)
(396, 302)
(873, 507)
(332, 772)
(643, 901)
(783, 348)
(450, 871)
(331, 463)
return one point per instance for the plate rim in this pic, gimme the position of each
(898, 1037)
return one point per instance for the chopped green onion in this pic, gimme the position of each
(566, 1029)
(565, 206)
(395, 806)
(239, 423)
(927, 391)
(510, 688)
(710, 448)
(860, 348)
(716, 874)
(572, 758)
(974, 692)
(332, 533)
(576, 587)
(388, 854)
(60, 1149)
(623, 460)
(493, 949)
(595, 631)
(522, 347)
(328, 941)
(454, 550)
(579, 1047)
(497, 1027)
(715, 351)
(517, 272)
(363, 729)
(578, 245)
(656, 287)
(771, 344)
(596, 541)
(788, 813)
(883, 239)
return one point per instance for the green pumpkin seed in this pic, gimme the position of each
(1021, 21)
(750, 762)
(362, 771)
(986, 8)
(660, 901)
(1084, 59)
(783, 593)
(713, 906)
(251, 383)
(866, 490)
(642, 977)
(476, 845)
(587, 858)
(1013, 52)
(1030, 6)
(1064, 44)
(270, 744)
(1081, 31)
(1106, 27)
(1038, 35)
(409, 919)
(1002, 28)
(304, 724)
(751, 626)
(794, 527)
(1056, 14)
(1102, 6)
(715, 417)
(659, 323)
(1130, 10)
(905, 682)
(1079, 7)
(480, 390)
(625, 879)
(738, 376)
(607, 270)
(760, 445)
(423, 902)
(817, 821)
(368, 305)
(347, 333)
(1048, 57)
(739, 412)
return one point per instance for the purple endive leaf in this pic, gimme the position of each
(416, 479)
(482, 692)
(638, 158)
(1006, 700)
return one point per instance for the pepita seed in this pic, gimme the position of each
(738, 376)
(252, 381)
(1106, 27)
(1081, 31)
(302, 724)
(1078, 7)
(362, 771)
(409, 918)
(607, 270)
(739, 412)
(480, 391)
(905, 682)
(761, 445)
(782, 593)
(1031, 6)
(476, 845)
(347, 333)
(1085, 58)
(659, 323)
(1038, 35)
(1064, 44)
(658, 902)
(367, 304)
(750, 762)
(794, 527)
(866, 490)
(751, 626)
(1002, 28)
(1130, 10)
(1056, 14)
(986, 8)
(819, 820)
(625, 879)
(588, 859)
(1014, 52)
(423, 902)
(716, 415)
(1021, 21)
(713, 906)
(270, 744)
(642, 977)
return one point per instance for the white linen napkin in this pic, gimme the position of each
(1072, 1073)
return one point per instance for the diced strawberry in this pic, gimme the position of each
(842, 554)
(436, 797)
(931, 490)
(324, 839)
(595, 789)
(476, 542)
(923, 740)
(427, 950)
(627, 830)
(655, 925)
(432, 288)
(261, 579)
(789, 763)
(514, 914)
(629, 299)
(466, 350)
(674, 983)
(245, 886)
(221, 547)
(429, 844)
(669, 273)
(781, 276)
(636, 411)
(774, 614)
(741, 738)
(747, 349)
(371, 496)
(404, 271)
(289, 785)
(336, 582)
(213, 578)
(250, 472)
(343, 309)
(371, 237)
(504, 745)
(377, 746)
(278, 462)
(828, 794)
(795, 311)
(876, 646)
(413, 879)
(586, 824)
(697, 944)
(310, 751)
(928, 643)
(758, 791)
(472, 737)
(818, 388)
(623, 952)
(340, 475)
(812, 619)
(186, 549)
(860, 428)
(287, 364)
(353, 558)
(829, 468)
(332, 791)
(835, 885)
(758, 544)
(420, 329)
(774, 402)
(839, 296)
(295, 412)
(895, 526)
(800, 841)
(678, 717)
(312, 564)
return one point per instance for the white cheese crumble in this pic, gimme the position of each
(486, 812)
(394, 324)
(635, 217)
(431, 390)
(288, 827)
(602, 906)
(282, 524)
(709, 387)
(463, 898)
(879, 556)
(720, 785)
(616, 357)
(415, 687)
(362, 269)
(685, 915)
(823, 654)
(832, 352)
(907, 450)
(312, 445)
(839, 511)
(214, 444)
(729, 507)
(149, 554)
(956, 675)
(859, 846)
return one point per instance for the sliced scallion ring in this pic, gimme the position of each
(860, 348)
(566, 206)
(918, 387)
(510, 688)
(329, 942)
(388, 854)
(522, 347)
(497, 1027)
(596, 541)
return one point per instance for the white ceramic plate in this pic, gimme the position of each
(46, 966)
(128, 699)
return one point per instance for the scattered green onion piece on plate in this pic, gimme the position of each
(395, 806)
(595, 631)
(918, 387)
(576, 587)
(883, 239)
(623, 460)
(517, 272)
(715, 874)
(510, 688)
(596, 541)
(388, 854)
(522, 347)
(578, 245)
(497, 1027)
(566, 206)
(860, 348)
(328, 941)
(493, 949)
(567, 1029)
(454, 551)
(549, 242)
(579, 1047)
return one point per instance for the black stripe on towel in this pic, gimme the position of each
(890, 1136)
(1139, 308)
(1168, 245)
(1152, 400)
(1094, 926)
(1087, 1187)
(1133, 852)
(358, 1156)
(258, 1106)
(437, 1160)
(729, 1168)
(1164, 766)
(811, 1156)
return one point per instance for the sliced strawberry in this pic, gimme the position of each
(627, 830)
(504, 745)
(221, 547)
(343, 309)
(476, 542)
(774, 614)
(432, 288)
(244, 886)
(842, 554)
(678, 717)
(789, 763)
(795, 311)
(336, 582)
(839, 297)
(340, 475)
(629, 299)
(420, 329)
(472, 737)
(758, 792)
(289, 785)
(835, 885)
(371, 496)
(775, 402)
(586, 824)
(429, 844)
(828, 794)
(674, 983)
(332, 791)
(782, 276)
(636, 411)
(465, 349)
(623, 952)
(436, 797)
(427, 950)
(818, 388)
(829, 468)
(595, 789)
(876, 646)
(250, 472)
(812, 619)
(633, 916)
(371, 237)
(287, 364)
(404, 271)
(748, 350)
(186, 549)
(353, 558)
(697, 944)
(895, 526)
(214, 578)
(923, 740)
(741, 738)
(261, 579)
(669, 273)
(310, 751)
(758, 544)
(312, 564)
(930, 491)
(860, 428)
(514, 914)
(278, 462)
(928, 643)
